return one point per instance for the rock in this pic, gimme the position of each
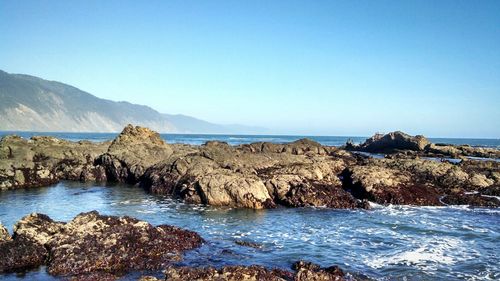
(227, 273)
(476, 200)
(307, 271)
(298, 147)
(43, 161)
(21, 253)
(133, 151)
(393, 141)
(222, 175)
(93, 243)
(4, 234)
(304, 271)
(148, 278)
(38, 227)
(249, 244)
(412, 181)
(456, 151)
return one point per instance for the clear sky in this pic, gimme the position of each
(296, 67)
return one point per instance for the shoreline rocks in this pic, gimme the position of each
(260, 175)
(302, 271)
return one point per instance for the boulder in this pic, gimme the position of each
(133, 151)
(393, 141)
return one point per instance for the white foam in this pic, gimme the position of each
(429, 255)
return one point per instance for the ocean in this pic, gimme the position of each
(198, 139)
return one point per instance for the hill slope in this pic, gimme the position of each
(29, 103)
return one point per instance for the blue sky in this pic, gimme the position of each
(296, 67)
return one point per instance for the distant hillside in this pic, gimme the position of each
(29, 103)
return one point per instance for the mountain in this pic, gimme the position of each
(29, 103)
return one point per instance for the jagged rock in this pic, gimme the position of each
(393, 141)
(93, 243)
(132, 152)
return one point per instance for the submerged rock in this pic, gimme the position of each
(93, 243)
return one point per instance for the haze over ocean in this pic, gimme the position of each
(295, 67)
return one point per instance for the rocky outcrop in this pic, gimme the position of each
(42, 161)
(258, 175)
(392, 142)
(92, 243)
(219, 174)
(406, 145)
(418, 182)
(132, 152)
(459, 151)
(304, 271)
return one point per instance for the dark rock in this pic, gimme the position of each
(308, 194)
(412, 181)
(306, 271)
(249, 244)
(21, 253)
(393, 141)
(227, 273)
(476, 200)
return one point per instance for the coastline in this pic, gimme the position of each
(261, 175)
